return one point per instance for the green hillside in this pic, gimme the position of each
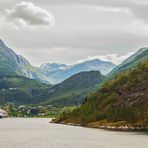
(73, 90)
(19, 90)
(122, 101)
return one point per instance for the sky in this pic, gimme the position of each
(70, 31)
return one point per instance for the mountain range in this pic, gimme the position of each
(13, 64)
(75, 82)
(59, 72)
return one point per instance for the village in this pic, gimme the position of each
(13, 110)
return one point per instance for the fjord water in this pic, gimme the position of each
(38, 133)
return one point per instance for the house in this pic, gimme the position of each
(3, 113)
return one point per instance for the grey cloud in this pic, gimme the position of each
(138, 8)
(26, 13)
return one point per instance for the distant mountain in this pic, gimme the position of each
(59, 72)
(140, 56)
(13, 64)
(122, 102)
(73, 90)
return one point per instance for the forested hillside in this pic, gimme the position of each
(122, 101)
(73, 90)
(19, 90)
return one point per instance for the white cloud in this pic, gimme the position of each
(114, 58)
(27, 14)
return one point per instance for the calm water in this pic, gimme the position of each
(38, 133)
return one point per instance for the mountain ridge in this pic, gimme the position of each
(73, 90)
(60, 72)
(22, 90)
(11, 63)
(140, 56)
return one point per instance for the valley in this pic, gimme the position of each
(93, 93)
(73, 74)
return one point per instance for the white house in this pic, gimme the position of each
(3, 113)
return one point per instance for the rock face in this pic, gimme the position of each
(59, 72)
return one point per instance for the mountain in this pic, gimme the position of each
(54, 72)
(19, 89)
(73, 90)
(22, 90)
(119, 102)
(140, 56)
(59, 72)
(13, 64)
(8, 60)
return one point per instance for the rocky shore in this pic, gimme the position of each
(127, 127)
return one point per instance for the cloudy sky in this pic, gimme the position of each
(68, 31)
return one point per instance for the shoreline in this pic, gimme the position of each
(121, 128)
(110, 128)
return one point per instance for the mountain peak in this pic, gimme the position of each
(52, 65)
(97, 61)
